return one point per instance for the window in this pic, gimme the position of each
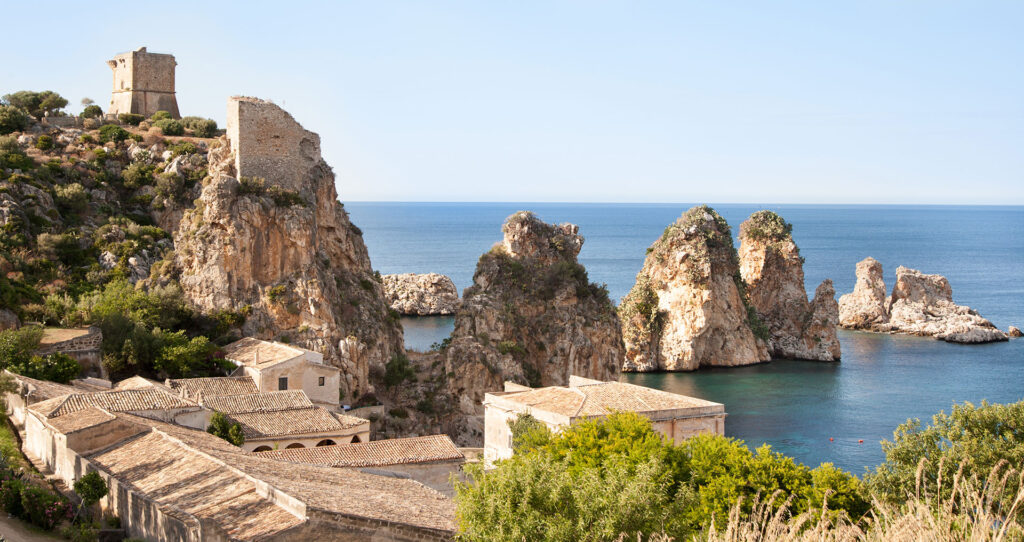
(282, 383)
(262, 449)
(294, 445)
(321, 381)
(355, 439)
(326, 442)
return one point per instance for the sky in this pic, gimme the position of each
(722, 102)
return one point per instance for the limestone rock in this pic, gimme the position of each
(923, 305)
(283, 248)
(9, 320)
(531, 316)
(1014, 332)
(866, 307)
(421, 294)
(687, 309)
(772, 268)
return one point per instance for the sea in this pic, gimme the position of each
(814, 411)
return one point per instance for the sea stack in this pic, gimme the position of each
(268, 237)
(920, 304)
(772, 268)
(688, 308)
(531, 316)
(426, 294)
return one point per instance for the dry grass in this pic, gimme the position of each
(974, 511)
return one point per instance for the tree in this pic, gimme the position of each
(55, 367)
(976, 439)
(92, 111)
(17, 345)
(90, 488)
(87, 101)
(221, 427)
(37, 104)
(12, 119)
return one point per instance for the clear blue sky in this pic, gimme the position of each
(771, 102)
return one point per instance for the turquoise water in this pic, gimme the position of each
(794, 406)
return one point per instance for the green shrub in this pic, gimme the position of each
(398, 370)
(131, 119)
(11, 155)
(182, 147)
(10, 496)
(275, 293)
(17, 345)
(200, 127)
(37, 104)
(55, 367)
(170, 127)
(12, 119)
(44, 508)
(160, 115)
(81, 532)
(92, 112)
(399, 412)
(138, 174)
(221, 427)
(112, 132)
(44, 143)
(252, 185)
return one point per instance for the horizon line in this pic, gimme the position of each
(554, 202)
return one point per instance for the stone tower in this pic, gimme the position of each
(143, 83)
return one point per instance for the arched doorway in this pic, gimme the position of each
(294, 445)
(355, 439)
(262, 449)
(326, 442)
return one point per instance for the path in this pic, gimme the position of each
(14, 530)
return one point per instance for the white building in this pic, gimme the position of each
(275, 366)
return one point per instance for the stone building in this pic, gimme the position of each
(83, 344)
(275, 366)
(430, 460)
(676, 416)
(143, 83)
(169, 482)
(268, 142)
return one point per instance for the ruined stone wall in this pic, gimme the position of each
(267, 142)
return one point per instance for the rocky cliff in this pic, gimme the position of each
(269, 238)
(920, 304)
(421, 294)
(688, 308)
(531, 316)
(771, 266)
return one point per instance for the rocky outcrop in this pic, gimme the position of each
(688, 308)
(923, 305)
(421, 294)
(280, 247)
(9, 320)
(920, 304)
(531, 316)
(1014, 332)
(771, 266)
(865, 308)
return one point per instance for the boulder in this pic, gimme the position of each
(866, 307)
(531, 316)
(772, 268)
(923, 305)
(421, 294)
(1014, 332)
(688, 309)
(9, 320)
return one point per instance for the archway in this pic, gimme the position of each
(326, 442)
(294, 445)
(355, 439)
(262, 449)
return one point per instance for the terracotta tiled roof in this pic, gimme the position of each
(399, 451)
(136, 383)
(342, 491)
(171, 473)
(296, 421)
(115, 401)
(602, 399)
(211, 386)
(82, 419)
(258, 402)
(247, 350)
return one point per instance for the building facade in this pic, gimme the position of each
(275, 366)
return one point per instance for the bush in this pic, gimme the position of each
(11, 155)
(160, 115)
(221, 427)
(37, 104)
(398, 370)
(92, 112)
(91, 488)
(72, 197)
(112, 132)
(55, 367)
(131, 119)
(170, 127)
(44, 143)
(200, 127)
(10, 496)
(43, 508)
(138, 174)
(81, 532)
(399, 412)
(182, 147)
(12, 119)
(17, 345)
